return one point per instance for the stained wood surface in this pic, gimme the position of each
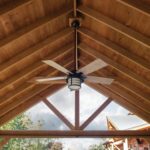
(115, 31)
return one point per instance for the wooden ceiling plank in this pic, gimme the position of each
(34, 49)
(36, 65)
(33, 27)
(121, 82)
(95, 114)
(121, 101)
(27, 94)
(130, 33)
(141, 103)
(10, 6)
(117, 66)
(73, 134)
(137, 5)
(29, 103)
(115, 48)
(58, 114)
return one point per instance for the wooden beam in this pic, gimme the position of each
(119, 79)
(117, 66)
(33, 27)
(27, 94)
(75, 133)
(137, 5)
(115, 48)
(95, 114)
(124, 102)
(133, 99)
(130, 33)
(35, 49)
(29, 103)
(58, 114)
(11, 5)
(34, 69)
(77, 110)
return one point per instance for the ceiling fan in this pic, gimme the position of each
(75, 78)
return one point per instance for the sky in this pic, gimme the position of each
(64, 100)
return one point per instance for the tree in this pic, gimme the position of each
(97, 147)
(22, 122)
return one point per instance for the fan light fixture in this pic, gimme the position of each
(74, 81)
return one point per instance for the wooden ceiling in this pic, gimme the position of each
(116, 31)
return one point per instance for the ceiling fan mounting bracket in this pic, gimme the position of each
(75, 23)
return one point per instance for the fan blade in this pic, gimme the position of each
(48, 80)
(56, 66)
(100, 80)
(93, 66)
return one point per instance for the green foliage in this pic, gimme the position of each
(22, 122)
(97, 147)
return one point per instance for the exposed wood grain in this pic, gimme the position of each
(137, 5)
(117, 66)
(118, 79)
(115, 25)
(10, 6)
(58, 113)
(121, 101)
(115, 48)
(76, 133)
(29, 92)
(35, 66)
(33, 50)
(31, 31)
(132, 99)
(33, 27)
(28, 104)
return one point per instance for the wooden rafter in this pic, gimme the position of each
(95, 114)
(16, 95)
(34, 49)
(58, 113)
(33, 27)
(141, 104)
(121, 101)
(114, 48)
(119, 81)
(30, 70)
(132, 34)
(75, 133)
(22, 97)
(29, 103)
(10, 6)
(117, 66)
(126, 94)
(137, 5)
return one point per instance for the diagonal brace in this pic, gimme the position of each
(58, 113)
(95, 114)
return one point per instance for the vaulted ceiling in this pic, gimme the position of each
(116, 31)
